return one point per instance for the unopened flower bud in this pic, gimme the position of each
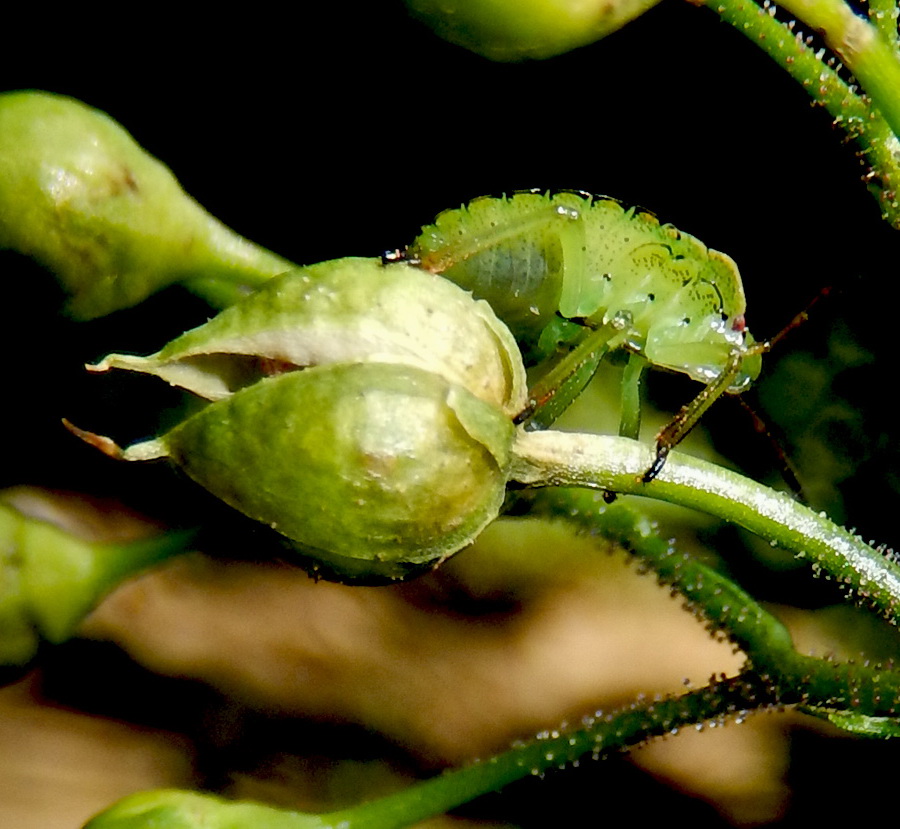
(78, 195)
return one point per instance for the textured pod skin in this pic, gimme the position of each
(533, 256)
(78, 195)
(374, 470)
(346, 310)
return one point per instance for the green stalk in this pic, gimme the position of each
(815, 683)
(724, 605)
(600, 734)
(617, 464)
(860, 45)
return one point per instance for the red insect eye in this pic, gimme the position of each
(738, 323)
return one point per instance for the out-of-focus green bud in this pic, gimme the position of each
(346, 310)
(511, 30)
(50, 579)
(374, 470)
(173, 809)
(82, 198)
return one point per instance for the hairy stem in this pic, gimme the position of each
(860, 45)
(617, 464)
(813, 682)
(885, 14)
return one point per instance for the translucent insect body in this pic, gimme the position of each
(569, 269)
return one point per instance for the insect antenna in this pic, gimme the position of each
(766, 346)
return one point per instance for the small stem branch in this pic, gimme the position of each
(617, 464)
(600, 735)
(789, 51)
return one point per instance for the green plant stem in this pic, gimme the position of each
(601, 734)
(724, 605)
(860, 46)
(787, 48)
(617, 464)
(234, 267)
(114, 563)
(728, 609)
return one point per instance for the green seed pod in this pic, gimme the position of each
(346, 310)
(511, 30)
(374, 470)
(82, 198)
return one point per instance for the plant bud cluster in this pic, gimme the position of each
(362, 410)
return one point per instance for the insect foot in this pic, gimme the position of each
(376, 450)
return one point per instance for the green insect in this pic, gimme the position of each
(587, 276)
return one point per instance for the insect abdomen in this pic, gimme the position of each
(508, 251)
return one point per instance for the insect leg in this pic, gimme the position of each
(630, 422)
(556, 390)
(677, 429)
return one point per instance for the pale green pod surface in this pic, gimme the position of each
(82, 198)
(345, 310)
(373, 470)
(512, 30)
